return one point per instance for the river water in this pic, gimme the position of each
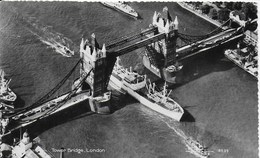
(220, 98)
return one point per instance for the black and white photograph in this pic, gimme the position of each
(129, 79)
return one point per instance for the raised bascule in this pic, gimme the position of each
(163, 56)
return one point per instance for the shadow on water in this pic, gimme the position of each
(187, 117)
(19, 102)
(120, 100)
(201, 65)
(73, 113)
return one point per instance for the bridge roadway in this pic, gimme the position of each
(122, 45)
(129, 38)
(208, 43)
(138, 44)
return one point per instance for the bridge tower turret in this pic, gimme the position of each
(94, 57)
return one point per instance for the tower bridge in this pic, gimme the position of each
(162, 57)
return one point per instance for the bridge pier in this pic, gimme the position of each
(94, 57)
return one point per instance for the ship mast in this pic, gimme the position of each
(7, 83)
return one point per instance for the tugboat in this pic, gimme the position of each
(6, 94)
(157, 101)
(197, 148)
(244, 58)
(121, 6)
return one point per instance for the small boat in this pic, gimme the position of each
(6, 94)
(196, 148)
(64, 50)
(121, 6)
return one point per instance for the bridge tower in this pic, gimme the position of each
(94, 58)
(170, 28)
(164, 51)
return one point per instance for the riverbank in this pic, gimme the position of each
(189, 8)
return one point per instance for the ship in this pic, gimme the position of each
(162, 98)
(158, 101)
(196, 148)
(121, 76)
(122, 7)
(249, 62)
(64, 50)
(6, 94)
